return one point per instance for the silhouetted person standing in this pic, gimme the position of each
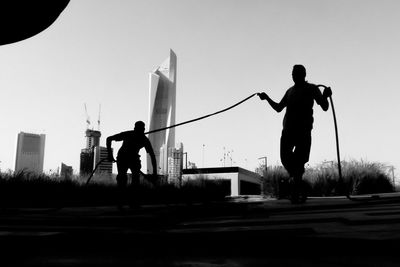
(297, 125)
(128, 155)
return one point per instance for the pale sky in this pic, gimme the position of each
(101, 52)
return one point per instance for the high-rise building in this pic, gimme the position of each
(175, 164)
(87, 154)
(86, 162)
(30, 152)
(92, 138)
(105, 167)
(162, 104)
(162, 161)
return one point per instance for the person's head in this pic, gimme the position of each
(299, 74)
(139, 126)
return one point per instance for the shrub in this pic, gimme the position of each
(359, 177)
(275, 180)
(28, 189)
(366, 177)
(322, 180)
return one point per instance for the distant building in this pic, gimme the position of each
(87, 154)
(162, 161)
(66, 171)
(30, 152)
(105, 167)
(92, 138)
(162, 105)
(175, 164)
(86, 162)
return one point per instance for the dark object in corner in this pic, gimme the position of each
(20, 20)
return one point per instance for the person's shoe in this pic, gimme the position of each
(284, 189)
(298, 192)
(134, 205)
(303, 192)
(302, 199)
(295, 200)
(121, 208)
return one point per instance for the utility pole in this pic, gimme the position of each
(265, 161)
(230, 156)
(224, 157)
(203, 154)
(262, 175)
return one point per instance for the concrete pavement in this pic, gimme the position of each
(245, 231)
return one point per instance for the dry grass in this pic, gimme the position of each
(359, 177)
(42, 190)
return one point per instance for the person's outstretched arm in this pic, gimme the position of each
(108, 144)
(278, 107)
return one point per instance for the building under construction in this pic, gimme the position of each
(87, 153)
(93, 153)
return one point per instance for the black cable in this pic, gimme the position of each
(176, 125)
(341, 180)
(201, 118)
(95, 168)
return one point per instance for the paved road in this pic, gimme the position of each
(250, 231)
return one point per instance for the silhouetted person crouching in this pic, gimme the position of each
(128, 157)
(297, 125)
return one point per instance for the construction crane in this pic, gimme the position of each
(98, 120)
(87, 118)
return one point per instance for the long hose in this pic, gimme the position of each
(341, 181)
(341, 184)
(179, 124)
(203, 117)
(94, 170)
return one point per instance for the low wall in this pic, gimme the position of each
(242, 181)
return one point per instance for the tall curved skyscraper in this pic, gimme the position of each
(162, 103)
